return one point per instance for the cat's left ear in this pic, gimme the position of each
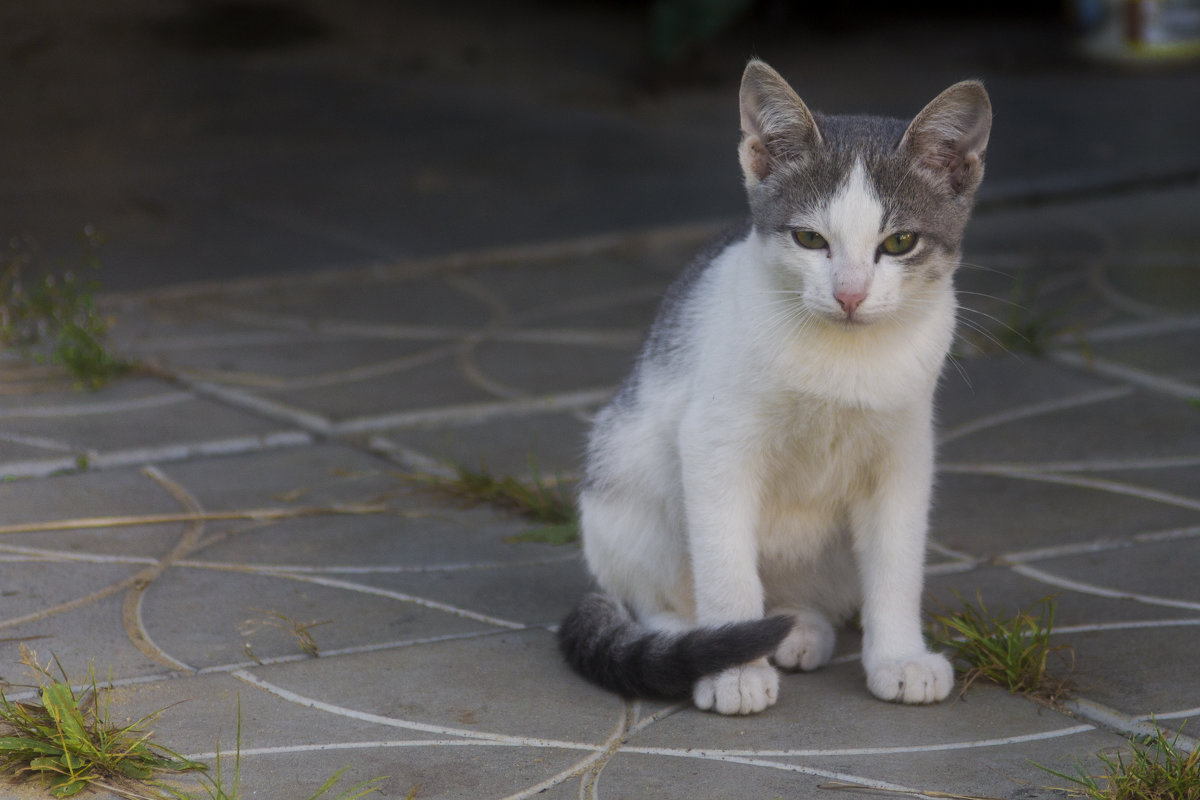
(948, 138)
(777, 127)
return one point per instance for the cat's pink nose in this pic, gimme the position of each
(849, 300)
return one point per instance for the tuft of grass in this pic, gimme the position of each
(1158, 769)
(539, 500)
(1011, 651)
(68, 742)
(53, 317)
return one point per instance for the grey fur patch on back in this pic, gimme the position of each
(664, 332)
(665, 341)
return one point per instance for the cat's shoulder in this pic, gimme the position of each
(672, 309)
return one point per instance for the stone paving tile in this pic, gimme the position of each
(466, 688)
(529, 593)
(441, 541)
(207, 715)
(322, 474)
(994, 391)
(94, 633)
(280, 361)
(1164, 283)
(549, 368)
(427, 383)
(1006, 590)
(1126, 428)
(1113, 669)
(439, 301)
(986, 515)
(978, 744)
(114, 427)
(191, 421)
(107, 493)
(555, 442)
(1172, 354)
(60, 396)
(1180, 480)
(1155, 570)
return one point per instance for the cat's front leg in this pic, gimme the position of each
(720, 502)
(747, 689)
(890, 533)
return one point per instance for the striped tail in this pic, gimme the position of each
(603, 643)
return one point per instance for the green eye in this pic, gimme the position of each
(899, 243)
(810, 240)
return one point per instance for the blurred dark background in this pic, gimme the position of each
(219, 138)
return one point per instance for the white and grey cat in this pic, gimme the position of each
(772, 451)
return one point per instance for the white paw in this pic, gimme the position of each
(747, 689)
(922, 678)
(809, 645)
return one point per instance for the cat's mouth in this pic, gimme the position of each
(848, 319)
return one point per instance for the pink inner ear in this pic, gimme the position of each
(944, 156)
(756, 158)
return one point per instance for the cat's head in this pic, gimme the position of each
(860, 213)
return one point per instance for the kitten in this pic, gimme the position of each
(772, 451)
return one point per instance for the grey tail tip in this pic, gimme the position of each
(603, 643)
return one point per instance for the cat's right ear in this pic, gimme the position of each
(948, 139)
(776, 125)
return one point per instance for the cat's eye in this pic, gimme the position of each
(810, 240)
(899, 243)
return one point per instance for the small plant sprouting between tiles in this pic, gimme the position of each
(1011, 651)
(52, 317)
(68, 742)
(1159, 768)
(539, 500)
(301, 631)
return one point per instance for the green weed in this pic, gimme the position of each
(1158, 769)
(564, 533)
(53, 317)
(1011, 651)
(69, 743)
(539, 500)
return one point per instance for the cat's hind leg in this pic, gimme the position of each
(810, 643)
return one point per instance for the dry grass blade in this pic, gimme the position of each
(282, 622)
(1011, 651)
(255, 514)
